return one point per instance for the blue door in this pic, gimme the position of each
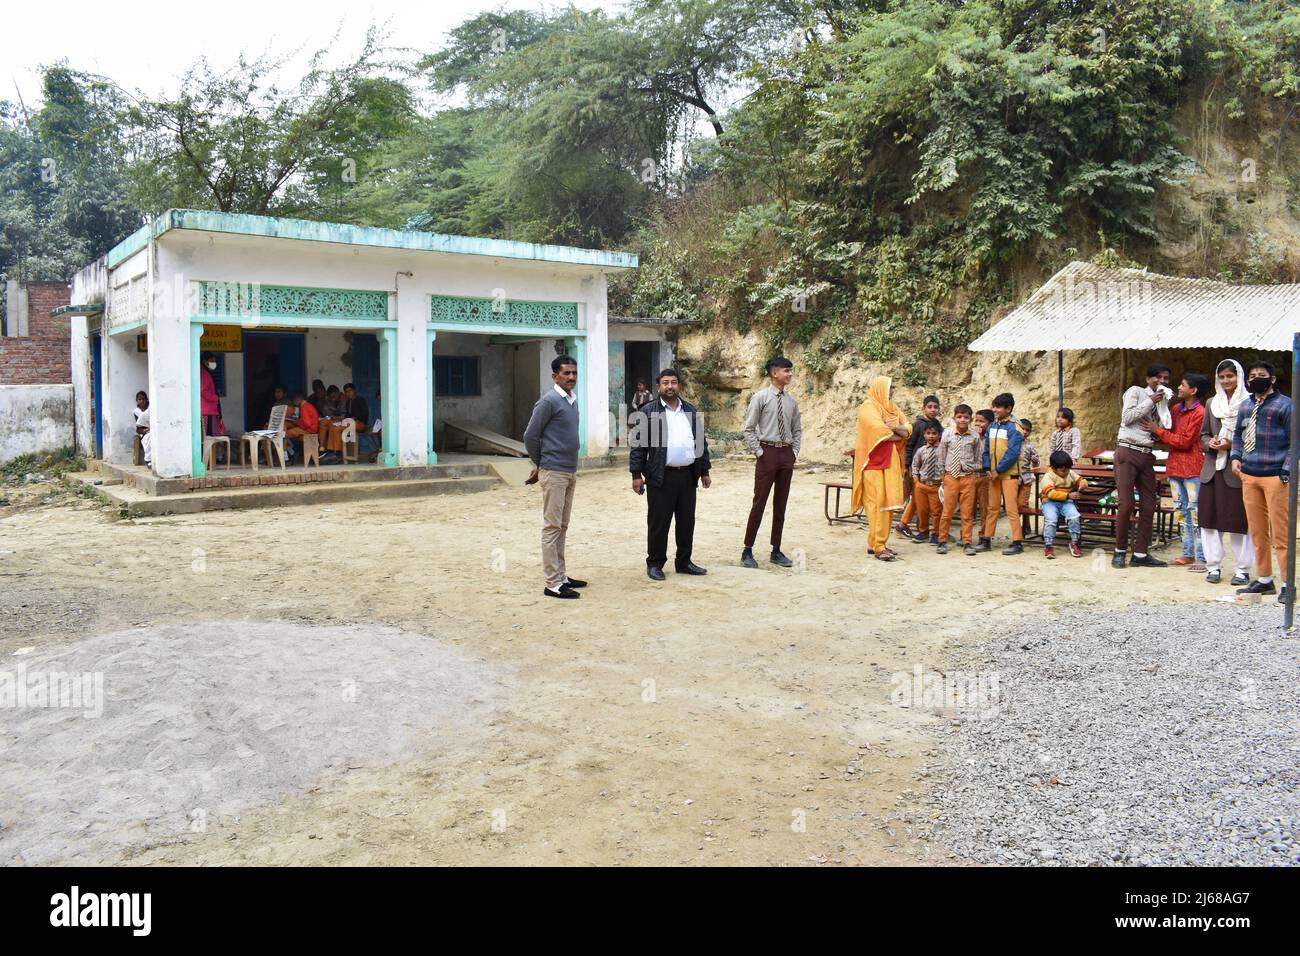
(97, 386)
(365, 369)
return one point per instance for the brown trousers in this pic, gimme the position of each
(1003, 491)
(928, 509)
(772, 472)
(1267, 518)
(959, 491)
(1135, 469)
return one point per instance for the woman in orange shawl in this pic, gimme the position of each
(878, 463)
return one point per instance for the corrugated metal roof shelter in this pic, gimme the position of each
(1085, 306)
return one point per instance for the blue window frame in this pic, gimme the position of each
(456, 376)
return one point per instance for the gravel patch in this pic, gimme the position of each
(1150, 736)
(169, 729)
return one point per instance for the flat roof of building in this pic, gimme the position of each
(244, 224)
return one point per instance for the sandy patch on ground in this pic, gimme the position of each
(742, 717)
(169, 728)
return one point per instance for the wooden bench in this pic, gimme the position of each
(1097, 522)
(838, 516)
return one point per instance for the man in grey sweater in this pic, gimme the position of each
(551, 440)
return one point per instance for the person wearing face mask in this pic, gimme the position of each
(209, 401)
(1135, 465)
(1220, 509)
(1261, 449)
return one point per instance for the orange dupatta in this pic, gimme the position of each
(875, 414)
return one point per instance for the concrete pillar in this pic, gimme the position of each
(430, 401)
(173, 380)
(391, 435)
(126, 371)
(414, 364)
(594, 371)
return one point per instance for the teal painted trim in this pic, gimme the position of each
(557, 317)
(333, 232)
(530, 333)
(197, 468)
(578, 349)
(90, 308)
(294, 321)
(129, 327)
(130, 245)
(430, 336)
(260, 300)
(388, 400)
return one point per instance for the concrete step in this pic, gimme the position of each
(136, 503)
(141, 478)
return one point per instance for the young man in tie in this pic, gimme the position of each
(551, 440)
(1135, 466)
(668, 456)
(1261, 450)
(773, 431)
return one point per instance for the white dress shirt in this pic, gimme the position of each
(680, 440)
(567, 396)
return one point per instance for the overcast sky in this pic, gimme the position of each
(147, 44)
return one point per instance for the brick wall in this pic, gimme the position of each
(44, 356)
(43, 298)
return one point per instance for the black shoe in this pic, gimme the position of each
(1118, 561)
(747, 558)
(1281, 595)
(1146, 561)
(942, 549)
(563, 592)
(986, 544)
(904, 530)
(1239, 579)
(970, 550)
(690, 567)
(934, 539)
(1016, 547)
(781, 559)
(654, 572)
(921, 539)
(574, 583)
(1214, 577)
(1258, 587)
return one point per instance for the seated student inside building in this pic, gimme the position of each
(350, 409)
(307, 423)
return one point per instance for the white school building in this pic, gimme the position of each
(440, 328)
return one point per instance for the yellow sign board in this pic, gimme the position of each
(216, 338)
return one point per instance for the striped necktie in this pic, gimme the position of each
(780, 416)
(1248, 432)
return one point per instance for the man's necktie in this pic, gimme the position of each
(780, 416)
(1248, 433)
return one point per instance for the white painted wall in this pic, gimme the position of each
(88, 285)
(34, 418)
(170, 375)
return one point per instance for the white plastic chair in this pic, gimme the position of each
(272, 434)
(210, 443)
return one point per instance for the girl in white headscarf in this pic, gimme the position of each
(1220, 507)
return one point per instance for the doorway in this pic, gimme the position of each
(639, 358)
(271, 359)
(97, 387)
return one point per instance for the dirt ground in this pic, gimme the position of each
(739, 718)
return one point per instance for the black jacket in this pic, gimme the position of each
(649, 441)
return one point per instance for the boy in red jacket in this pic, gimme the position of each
(1183, 469)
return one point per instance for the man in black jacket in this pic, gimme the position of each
(669, 455)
